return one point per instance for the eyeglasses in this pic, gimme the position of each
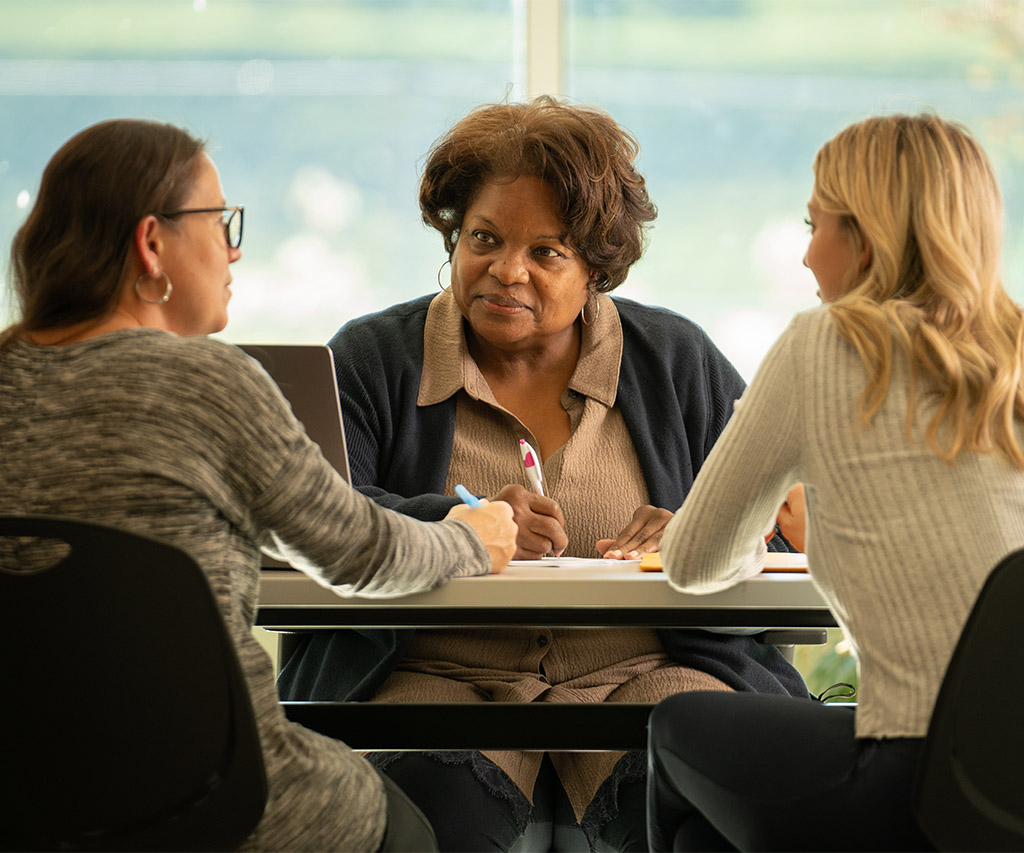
(231, 217)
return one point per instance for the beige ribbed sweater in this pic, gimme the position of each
(898, 541)
(596, 479)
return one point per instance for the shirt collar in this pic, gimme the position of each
(444, 351)
(448, 366)
(597, 371)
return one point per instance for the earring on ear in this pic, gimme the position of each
(443, 288)
(160, 300)
(592, 303)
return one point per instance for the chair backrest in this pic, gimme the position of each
(125, 721)
(969, 793)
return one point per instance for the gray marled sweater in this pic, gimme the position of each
(187, 439)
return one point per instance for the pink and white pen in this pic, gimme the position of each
(531, 466)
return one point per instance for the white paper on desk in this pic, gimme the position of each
(577, 562)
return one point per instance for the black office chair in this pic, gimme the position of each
(969, 794)
(125, 722)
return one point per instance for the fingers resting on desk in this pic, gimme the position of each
(641, 535)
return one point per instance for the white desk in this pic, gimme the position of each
(596, 597)
(534, 596)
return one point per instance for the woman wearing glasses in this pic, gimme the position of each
(115, 407)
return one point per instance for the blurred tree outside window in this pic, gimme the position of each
(318, 114)
(731, 99)
(823, 666)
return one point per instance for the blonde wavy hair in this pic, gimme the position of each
(922, 192)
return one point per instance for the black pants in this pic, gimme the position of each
(467, 817)
(744, 771)
(407, 830)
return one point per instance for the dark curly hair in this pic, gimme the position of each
(579, 151)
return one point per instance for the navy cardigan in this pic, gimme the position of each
(676, 391)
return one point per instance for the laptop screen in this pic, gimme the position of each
(305, 374)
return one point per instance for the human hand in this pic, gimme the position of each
(792, 519)
(641, 535)
(541, 527)
(492, 520)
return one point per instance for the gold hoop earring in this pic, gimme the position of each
(443, 288)
(160, 300)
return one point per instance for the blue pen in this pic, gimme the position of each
(467, 497)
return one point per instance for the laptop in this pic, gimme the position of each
(305, 374)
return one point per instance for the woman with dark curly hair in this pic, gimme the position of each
(542, 212)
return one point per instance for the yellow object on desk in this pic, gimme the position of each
(650, 562)
(774, 562)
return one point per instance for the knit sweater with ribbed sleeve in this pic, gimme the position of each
(899, 541)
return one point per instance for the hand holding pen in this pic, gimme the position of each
(531, 466)
(493, 522)
(541, 526)
(540, 520)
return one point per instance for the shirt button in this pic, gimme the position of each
(542, 641)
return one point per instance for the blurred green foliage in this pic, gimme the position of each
(928, 38)
(823, 666)
(314, 29)
(749, 35)
(729, 99)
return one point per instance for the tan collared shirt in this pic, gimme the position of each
(595, 476)
(596, 480)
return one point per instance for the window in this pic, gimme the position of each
(731, 99)
(320, 111)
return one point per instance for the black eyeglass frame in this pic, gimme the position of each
(236, 210)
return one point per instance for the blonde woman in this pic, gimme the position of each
(898, 405)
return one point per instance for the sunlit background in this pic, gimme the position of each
(320, 111)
